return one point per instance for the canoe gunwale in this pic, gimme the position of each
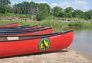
(37, 36)
(10, 25)
(30, 31)
(17, 30)
(17, 27)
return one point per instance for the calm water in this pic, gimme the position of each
(83, 42)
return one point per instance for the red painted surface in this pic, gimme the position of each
(45, 31)
(39, 32)
(10, 25)
(22, 47)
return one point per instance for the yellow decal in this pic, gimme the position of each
(44, 44)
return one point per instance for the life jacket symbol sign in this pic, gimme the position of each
(44, 44)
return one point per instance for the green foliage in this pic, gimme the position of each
(5, 9)
(23, 15)
(5, 2)
(69, 9)
(23, 8)
(78, 14)
(4, 6)
(40, 16)
(88, 14)
(67, 15)
(57, 11)
(76, 24)
(41, 10)
(59, 25)
(68, 12)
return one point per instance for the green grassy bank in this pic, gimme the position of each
(57, 25)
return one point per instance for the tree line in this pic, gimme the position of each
(42, 10)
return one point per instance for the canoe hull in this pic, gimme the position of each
(10, 25)
(31, 46)
(35, 32)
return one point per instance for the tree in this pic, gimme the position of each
(43, 11)
(5, 2)
(38, 10)
(69, 9)
(56, 11)
(78, 14)
(68, 12)
(4, 6)
(21, 8)
(88, 14)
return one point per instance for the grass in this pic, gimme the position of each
(87, 25)
(59, 25)
(56, 24)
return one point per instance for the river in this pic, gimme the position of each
(83, 42)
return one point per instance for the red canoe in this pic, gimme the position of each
(10, 25)
(14, 46)
(38, 31)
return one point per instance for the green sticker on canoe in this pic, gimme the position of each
(44, 44)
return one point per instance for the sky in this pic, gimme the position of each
(76, 4)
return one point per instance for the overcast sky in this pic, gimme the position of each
(76, 4)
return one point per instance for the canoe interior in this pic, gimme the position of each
(17, 38)
(21, 30)
(18, 27)
(25, 31)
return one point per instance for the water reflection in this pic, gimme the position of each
(83, 42)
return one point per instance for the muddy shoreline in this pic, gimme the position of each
(64, 56)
